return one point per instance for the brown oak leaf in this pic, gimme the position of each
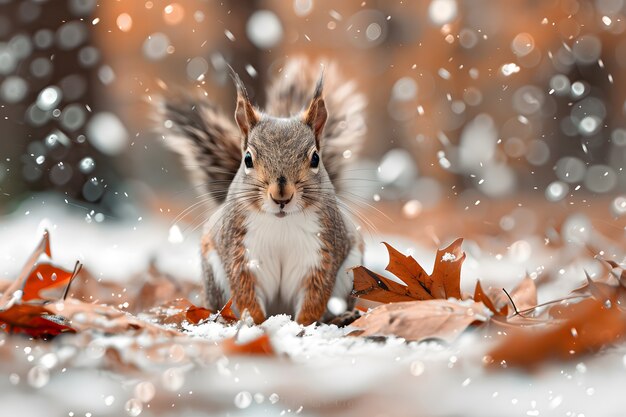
(443, 283)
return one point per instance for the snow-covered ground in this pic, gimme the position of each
(317, 370)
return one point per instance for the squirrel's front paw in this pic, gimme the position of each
(256, 314)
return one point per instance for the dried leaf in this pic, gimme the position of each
(615, 270)
(582, 328)
(371, 286)
(33, 320)
(481, 296)
(196, 314)
(85, 316)
(525, 294)
(259, 346)
(419, 320)
(444, 282)
(410, 272)
(46, 276)
(446, 276)
(156, 289)
(227, 312)
(173, 312)
(42, 248)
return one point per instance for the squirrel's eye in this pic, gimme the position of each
(248, 160)
(315, 160)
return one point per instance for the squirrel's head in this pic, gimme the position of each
(282, 157)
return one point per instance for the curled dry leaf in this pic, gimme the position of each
(443, 283)
(419, 320)
(42, 248)
(44, 277)
(20, 313)
(227, 312)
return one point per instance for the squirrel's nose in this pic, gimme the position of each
(281, 202)
(281, 192)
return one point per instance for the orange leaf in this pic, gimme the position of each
(42, 247)
(196, 314)
(584, 327)
(259, 346)
(43, 277)
(227, 311)
(33, 320)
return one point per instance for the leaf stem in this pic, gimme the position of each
(572, 297)
(517, 313)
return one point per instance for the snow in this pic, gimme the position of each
(448, 257)
(318, 370)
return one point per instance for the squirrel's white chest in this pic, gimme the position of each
(281, 253)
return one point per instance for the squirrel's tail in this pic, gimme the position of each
(208, 141)
(343, 134)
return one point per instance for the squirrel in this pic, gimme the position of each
(278, 241)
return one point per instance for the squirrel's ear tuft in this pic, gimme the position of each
(315, 116)
(245, 114)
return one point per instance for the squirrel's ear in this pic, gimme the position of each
(245, 114)
(315, 116)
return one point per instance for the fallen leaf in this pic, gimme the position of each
(481, 296)
(33, 320)
(579, 328)
(525, 294)
(107, 319)
(196, 314)
(600, 291)
(42, 248)
(18, 315)
(227, 312)
(410, 272)
(618, 272)
(262, 345)
(419, 320)
(46, 276)
(172, 312)
(156, 288)
(371, 286)
(443, 283)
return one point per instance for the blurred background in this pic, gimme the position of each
(502, 122)
(471, 102)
